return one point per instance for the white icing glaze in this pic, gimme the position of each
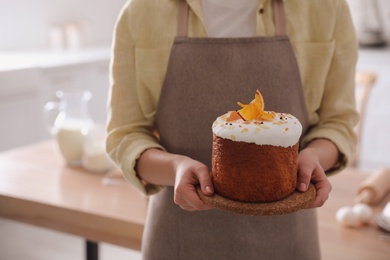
(285, 130)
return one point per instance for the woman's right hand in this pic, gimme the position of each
(189, 174)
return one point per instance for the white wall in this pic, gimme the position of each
(24, 24)
(362, 8)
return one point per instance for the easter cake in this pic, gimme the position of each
(255, 153)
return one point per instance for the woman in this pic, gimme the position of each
(177, 65)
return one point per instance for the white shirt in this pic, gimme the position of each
(230, 18)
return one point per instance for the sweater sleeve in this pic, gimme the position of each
(337, 113)
(130, 132)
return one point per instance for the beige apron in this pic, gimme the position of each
(205, 78)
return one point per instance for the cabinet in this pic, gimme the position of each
(20, 120)
(20, 114)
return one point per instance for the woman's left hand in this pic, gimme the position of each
(311, 171)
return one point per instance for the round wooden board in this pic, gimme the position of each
(294, 202)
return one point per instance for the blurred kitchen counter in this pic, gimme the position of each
(47, 59)
(36, 187)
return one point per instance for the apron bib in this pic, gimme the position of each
(205, 78)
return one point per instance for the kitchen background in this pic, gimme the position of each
(48, 45)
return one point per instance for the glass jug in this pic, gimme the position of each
(69, 122)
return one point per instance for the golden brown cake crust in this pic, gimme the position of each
(253, 173)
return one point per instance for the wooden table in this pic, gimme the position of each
(337, 242)
(37, 188)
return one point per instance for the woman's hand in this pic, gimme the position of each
(189, 174)
(163, 168)
(311, 171)
(319, 155)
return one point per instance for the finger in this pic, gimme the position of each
(323, 188)
(203, 175)
(304, 176)
(194, 201)
(321, 197)
(187, 198)
(187, 207)
(193, 205)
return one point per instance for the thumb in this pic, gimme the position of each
(303, 180)
(205, 182)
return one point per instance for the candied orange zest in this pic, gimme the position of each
(241, 104)
(255, 109)
(249, 112)
(238, 113)
(234, 116)
(259, 100)
(267, 116)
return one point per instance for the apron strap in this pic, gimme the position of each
(279, 15)
(183, 19)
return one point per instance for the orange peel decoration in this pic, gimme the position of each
(255, 110)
